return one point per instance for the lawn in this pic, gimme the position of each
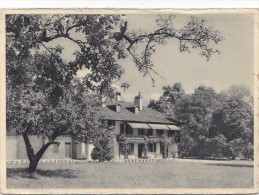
(132, 175)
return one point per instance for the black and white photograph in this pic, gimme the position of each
(155, 100)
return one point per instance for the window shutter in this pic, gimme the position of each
(177, 137)
(122, 129)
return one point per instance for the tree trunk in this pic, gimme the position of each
(32, 166)
(29, 149)
(34, 159)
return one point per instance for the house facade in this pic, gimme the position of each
(138, 132)
(66, 149)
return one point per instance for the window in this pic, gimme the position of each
(129, 130)
(68, 150)
(55, 148)
(111, 123)
(152, 147)
(178, 137)
(159, 132)
(171, 133)
(126, 129)
(150, 132)
(141, 131)
(122, 129)
(121, 149)
(131, 149)
(175, 134)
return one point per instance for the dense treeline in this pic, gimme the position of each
(215, 125)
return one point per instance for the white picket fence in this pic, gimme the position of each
(63, 161)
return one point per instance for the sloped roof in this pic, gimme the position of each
(146, 115)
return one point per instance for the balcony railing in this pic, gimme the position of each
(154, 137)
(151, 136)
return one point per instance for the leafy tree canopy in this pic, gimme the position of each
(103, 40)
(171, 94)
(40, 105)
(43, 97)
(215, 124)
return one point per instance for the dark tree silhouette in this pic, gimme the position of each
(39, 81)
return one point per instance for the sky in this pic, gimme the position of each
(233, 66)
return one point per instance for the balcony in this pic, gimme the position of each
(154, 135)
(140, 138)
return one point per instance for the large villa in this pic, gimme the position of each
(141, 128)
(140, 124)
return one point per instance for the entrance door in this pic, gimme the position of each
(140, 150)
(67, 150)
(74, 150)
(163, 151)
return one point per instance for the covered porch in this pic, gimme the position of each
(144, 140)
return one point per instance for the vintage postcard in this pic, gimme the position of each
(97, 101)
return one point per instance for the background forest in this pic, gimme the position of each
(214, 125)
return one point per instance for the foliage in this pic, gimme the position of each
(145, 147)
(215, 125)
(218, 148)
(171, 94)
(241, 92)
(124, 144)
(103, 40)
(248, 151)
(41, 104)
(165, 141)
(102, 149)
(43, 98)
(235, 120)
(186, 145)
(203, 103)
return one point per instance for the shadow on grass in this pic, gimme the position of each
(230, 165)
(57, 173)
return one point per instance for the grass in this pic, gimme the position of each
(132, 175)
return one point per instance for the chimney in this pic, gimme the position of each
(136, 110)
(118, 96)
(118, 108)
(138, 101)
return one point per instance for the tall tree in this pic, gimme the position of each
(241, 92)
(216, 124)
(234, 121)
(102, 147)
(40, 85)
(203, 104)
(171, 95)
(104, 39)
(196, 112)
(39, 105)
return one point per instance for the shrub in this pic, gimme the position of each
(248, 151)
(102, 150)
